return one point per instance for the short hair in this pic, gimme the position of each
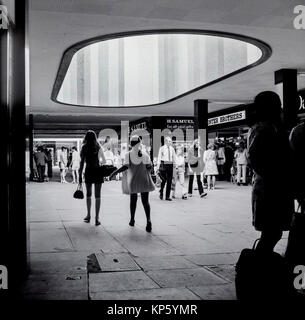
(267, 106)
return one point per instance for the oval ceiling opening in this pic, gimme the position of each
(151, 68)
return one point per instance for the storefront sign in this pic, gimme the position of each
(139, 126)
(236, 116)
(179, 123)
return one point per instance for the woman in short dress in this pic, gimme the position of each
(210, 163)
(137, 179)
(92, 154)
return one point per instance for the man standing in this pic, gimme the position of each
(166, 161)
(40, 159)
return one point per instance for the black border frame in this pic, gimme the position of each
(69, 53)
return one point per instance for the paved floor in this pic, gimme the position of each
(190, 253)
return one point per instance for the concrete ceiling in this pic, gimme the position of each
(58, 24)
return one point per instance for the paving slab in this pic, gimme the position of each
(116, 262)
(58, 262)
(184, 277)
(225, 271)
(213, 259)
(50, 240)
(216, 292)
(118, 281)
(148, 294)
(164, 263)
(56, 283)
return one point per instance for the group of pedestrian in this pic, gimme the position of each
(42, 164)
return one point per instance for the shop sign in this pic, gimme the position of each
(236, 116)
(179, 123)
(139, 126)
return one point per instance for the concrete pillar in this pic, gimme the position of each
(201, 121)
(289, 94)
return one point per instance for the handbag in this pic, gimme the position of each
(79, 194)
(261, 276)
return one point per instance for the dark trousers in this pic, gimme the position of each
(41, 170)
(199, 183)
(166, 172)
(50, 170)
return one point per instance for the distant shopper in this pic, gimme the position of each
(137, 165)
(63, 162)
(41, 160)
(269, 153)
(221, 159)
(179, 173)
(117, 162)
(229, 155)
(93, 156)
(241, 163)
(75, 164)
(195, 167)
(49, 163)
(165, 166)
(210, 166)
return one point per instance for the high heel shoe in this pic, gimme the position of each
(131, 223)
(87, 219)
(97, 223)
(148, 227)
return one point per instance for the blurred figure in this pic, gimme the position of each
(92, 154)
(241, 163)
(75, 164)
(270, 153)
(210, 166)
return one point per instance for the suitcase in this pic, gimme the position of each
(262, 276)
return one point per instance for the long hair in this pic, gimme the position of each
(90, 142)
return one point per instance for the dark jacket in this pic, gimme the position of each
(270, 157)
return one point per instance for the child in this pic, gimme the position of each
(179, 174)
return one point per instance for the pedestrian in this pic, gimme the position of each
(75, 164)
(41, 160)
(49, 163)
(221, 159)
(210, 166)
(117, 162)
(241, 163)
(93, 155)
(137, 179)
(63, 161)
(195, 167)
(165, 166)
(269, 153)
(179, 173)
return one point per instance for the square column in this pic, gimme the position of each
(201, 121)
(288, 79)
